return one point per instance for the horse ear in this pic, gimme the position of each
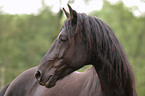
(66, 13)
(73, 15)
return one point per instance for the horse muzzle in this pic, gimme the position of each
(48, 80)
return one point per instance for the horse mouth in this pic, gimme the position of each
(51, 82)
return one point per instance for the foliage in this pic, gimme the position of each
(24, 40)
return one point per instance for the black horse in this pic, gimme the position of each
(83, 40)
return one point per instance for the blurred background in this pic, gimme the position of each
(29, 27)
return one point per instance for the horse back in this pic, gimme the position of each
(22, 83)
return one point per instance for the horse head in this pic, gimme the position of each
(67, 54)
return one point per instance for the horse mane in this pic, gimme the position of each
(108, 55)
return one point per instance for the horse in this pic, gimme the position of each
(83, 40)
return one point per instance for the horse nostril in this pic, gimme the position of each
(37, 75)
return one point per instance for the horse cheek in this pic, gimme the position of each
(61, 53)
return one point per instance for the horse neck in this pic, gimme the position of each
(116, 77)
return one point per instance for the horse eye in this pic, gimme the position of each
(63, 39)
